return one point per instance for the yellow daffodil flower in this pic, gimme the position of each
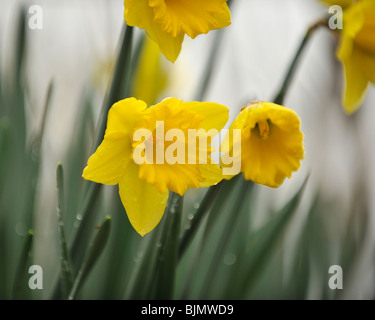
(167, 21)
(271, 143)
(357, 52)
(136, 133)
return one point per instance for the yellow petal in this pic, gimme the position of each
(110, 160)
(211, 173)
(143, 202)
(176, 177)
(192, 17)
(269, 162)
(215, 115)
(353, 21)
(356, 82)
(139, 13)
(364, 38)
(367, 64)
(124, 114)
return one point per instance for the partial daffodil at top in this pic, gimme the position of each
(167, 21)
(357, 51)
(342, 3)
(271, 144)
(144, 186)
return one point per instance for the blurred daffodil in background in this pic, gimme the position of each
(144, 186)
(271, 143)
(151, 76)
(357, 50)
(167, 21)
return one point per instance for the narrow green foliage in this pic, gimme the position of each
(262, 244)
(121, 79)
(196, 218)
(141, 281)
(168, 250)
(239, 201)
(20, 280)
(65, 265)
(93, 253)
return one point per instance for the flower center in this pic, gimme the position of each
(262, 129)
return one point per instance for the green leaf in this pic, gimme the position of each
(66, 272)
(209, 231)
(21, 43)
(238, 203)
(23, 267)
(261, 244)
(196, 218)
(93, 253)
(143, 273)
(168, 250)
(121, 79)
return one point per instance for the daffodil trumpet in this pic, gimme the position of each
(271, 143)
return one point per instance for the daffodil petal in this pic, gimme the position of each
(356, 82)
(110, 160)
(215, 115)
(354, 20)
(124, 114)
(367, 64)
(143, 202)
(270, 162)
(139, 13)
(192, 17)
(211, 173)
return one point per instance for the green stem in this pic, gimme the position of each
(93, 253)
(168, 252)
(224, 239)
(279, 98)
(22, 269)
(194, 222)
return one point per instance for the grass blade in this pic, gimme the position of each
(120, 80)
(93, 253)
(65, 265)
(193, 224)
(23, 267)
(239, 202)
(168, 251)
(262, 243)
